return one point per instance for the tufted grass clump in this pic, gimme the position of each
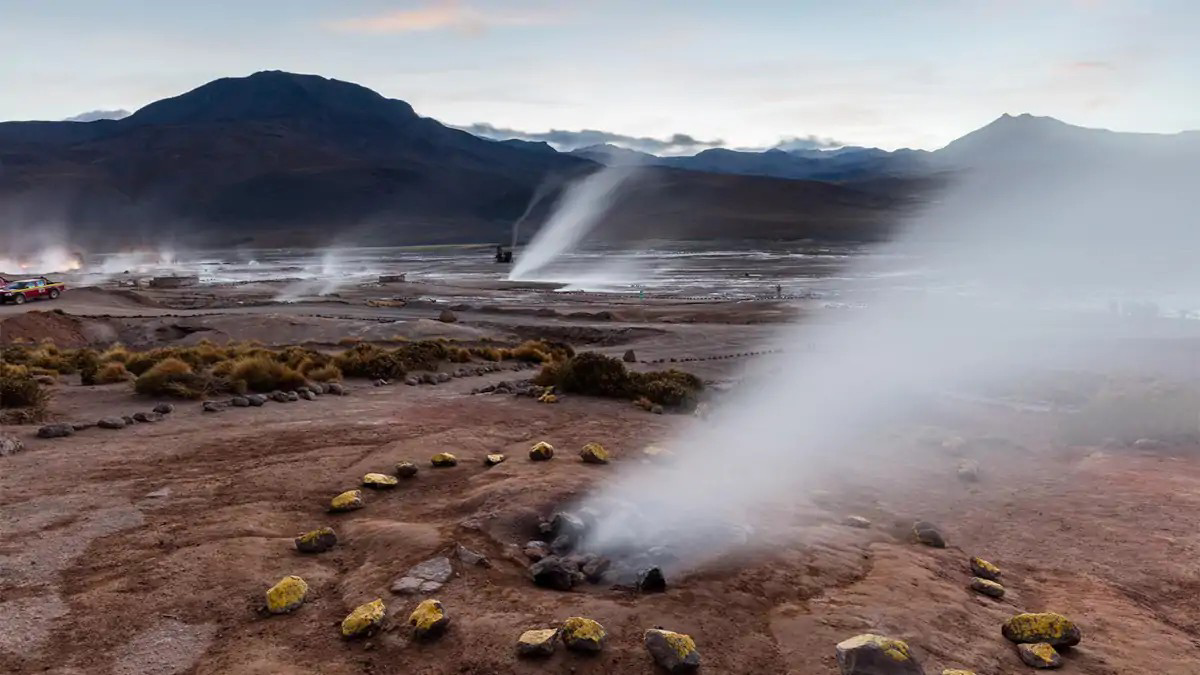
(594, 374)
(19, 388)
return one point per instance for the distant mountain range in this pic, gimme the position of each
(283, 159)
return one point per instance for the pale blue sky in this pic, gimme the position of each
(914, 73)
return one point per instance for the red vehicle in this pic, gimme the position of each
(40, 288)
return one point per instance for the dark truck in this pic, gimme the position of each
(40, 288)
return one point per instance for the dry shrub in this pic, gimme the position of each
(87, 362)
(295, 357)
(595, 374)
(670, 388)
(19, 388)
(49, 357)
(349, 341)
(262, 373)
(423, 355)
(174, 377)
(326, 373)
(367, 360)
(112, 372)
(458, 354)
(529, 352)
(116, 353)
(487, 353)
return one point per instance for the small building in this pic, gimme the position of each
(391, 278)
(174, 281)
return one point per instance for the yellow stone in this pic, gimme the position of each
(984, 569)
(1055, 629)
(428, 619)
(536, 638)
(594, 453)
(541, 451)
(287, 595)
(493, 460)
(347, 501)
(673, 651)
(379, 480)
(364, 620)
(896, 650)
(444, 459)
(548, 398)
(582, 634)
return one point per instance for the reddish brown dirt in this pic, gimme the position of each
(34, 326)
(149, 549)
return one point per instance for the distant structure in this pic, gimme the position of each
(391, 278)
(174, 281)
(503, 256)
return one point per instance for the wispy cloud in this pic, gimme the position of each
(809, 142)
(675, 144)
(93, 115)
(453, 15)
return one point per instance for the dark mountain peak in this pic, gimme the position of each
(274, 95)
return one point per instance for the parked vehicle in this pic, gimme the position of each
(24, 290)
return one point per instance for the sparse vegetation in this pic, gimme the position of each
(599, 375)
(263, 373)
(19, 388)
(111, 373)
(172, 377)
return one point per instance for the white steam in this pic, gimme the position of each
(1022, 257)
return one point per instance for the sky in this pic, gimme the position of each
(685, 73)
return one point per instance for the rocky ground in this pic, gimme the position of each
(150, 549)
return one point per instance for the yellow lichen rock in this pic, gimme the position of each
(316, 541)
(988, 588)
(540, 642)
(583, 635)
(541, 452)
(1054, 629)
(428, 620)
(494, 459)
(379, 481)
(443, 459)
(984, 569)
(347, 501)
(870, 653)
(364, 620)
(1039, 655)
(287, 595)
(673, 652)
(594, 453)
(548, 398)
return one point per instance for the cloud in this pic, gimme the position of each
(675, 144)
(93, 115)
(809, 142)
(440, 15)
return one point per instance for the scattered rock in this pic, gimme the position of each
(582, 635)
(211, 407)
(147, 417)
(10, 445)
(968, 471)
(111, 423)
(1055, 629)
(984, 569)
(987, 587)
(316, 541)
(287, 595)
(594, 569)
(279, 397)
(1039, 655)
(541, 452)
(292, 396)
(554, 572)
(673, 652)
(379, 481)
(536, 550)
(443, 459)
(447, 316)
(629, 356)
(1148, 444)
(350, 500)
(128, 420)
(927, 533)
(405, 469)
(317, 389)
(164, 408)
(411, 381)
(81, 426)
(337, 389)
(365, 620)
(443, 378)
(656, 409)
(870, 654)
(381, 383)
(435, 569)
(429, 620)
(307, 395)
(548, 397)
(651, 581)
(468, 557)
(594, 453)
(428, 378)
(56, 431)
(541, 642)
(240, 402)
(256, 400)
(493, 460)
(856, 521)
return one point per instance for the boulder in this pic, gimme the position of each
(554, 572)
(856, 521)
(279, 397)
(365, 620)
(984, 569)
(447, 316)
(316, 541)
(414, 586)
(673, 652)
(593, 569)
(405, 469)
(656, 409)
(582, 635)
(307, 395)
(927, 533)
(379, 481)
(594, 453)
(651, 580)
(211, 407)
(129, 420)
(411, 381)
(81, 426)
(494, 459)
(443, 459)
(536, 550)
(147, 417)
(350, 500)
(429, 620)
(541, 452)
(987, 587)
(629, 356)
(337, 389)
(539, 642)
(240, 402)
(548, 397)
(256, 400)
(468, 557)
(164, 408)
(443, 378)
(10, 445)
(1049, 627)
(292, 396)
(111, 423)
(1039, 655)
(56, 431)
(287, 595)
(435, 569)
(870, 654)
